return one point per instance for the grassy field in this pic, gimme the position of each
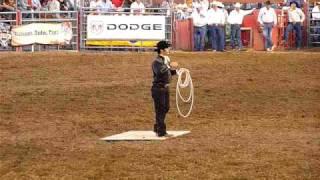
(256, 116)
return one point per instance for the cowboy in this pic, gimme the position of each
(235, 19)
(268, 19)
(296, 19)
(162, 69)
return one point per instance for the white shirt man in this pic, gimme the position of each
(267, 15)
(215, 16)
(53, 5)
(137, 7)
(295, 15)
(316, 12)
(199, 17)
(236, 16)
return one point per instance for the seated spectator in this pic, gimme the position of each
(183, 12)
(165, 7)
(23, 5)
(63, 5)
(36, 5)
(316, 20)
(126, 4)
(137, 8)
(107, 6)
(8, 5)
(118, 3)
(53, 5)
(94, 4)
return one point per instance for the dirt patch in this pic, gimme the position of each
(256, 116)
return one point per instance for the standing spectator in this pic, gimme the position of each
(268, 19)
(118, 3)
(216, 20)
(199, 17)
(225, 15)
(235, 19)
(23, 5)
(299, 3)
(296, 19)
(53, 5)
(137, 8)
(316, 20)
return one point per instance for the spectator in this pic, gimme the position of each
(268, 19)
(235, 19)
(94, 5)
(296, 19)
(63, 5)
(107, 6)
(216, 20)
(316, 20)
(199, 17)
(225, 15)
(8, 5)
(137, 8)
(23, 5)
(299, 3)
(126, 4)
(165, 7)
(118, 3)
(36, 5)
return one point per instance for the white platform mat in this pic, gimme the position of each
(142, 136)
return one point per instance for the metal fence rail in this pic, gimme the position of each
(314, 29)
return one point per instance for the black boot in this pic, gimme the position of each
(155, 128)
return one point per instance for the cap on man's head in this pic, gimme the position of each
(294, 2)
(268, 2)
(220, 5)
(163, 45)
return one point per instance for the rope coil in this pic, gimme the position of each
(183, 72)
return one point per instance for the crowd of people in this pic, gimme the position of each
(213, 17)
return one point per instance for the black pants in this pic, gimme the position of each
(161, 104)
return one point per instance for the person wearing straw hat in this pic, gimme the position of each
(162, 70)
(316, 21)
(216, 20)
(296, 19)
(267, 18)
(235, 19)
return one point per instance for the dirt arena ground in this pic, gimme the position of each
(256, 116)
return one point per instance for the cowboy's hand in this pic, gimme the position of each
(174, 65)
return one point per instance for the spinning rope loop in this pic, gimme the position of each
(181, 85)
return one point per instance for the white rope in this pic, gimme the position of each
(181, 85)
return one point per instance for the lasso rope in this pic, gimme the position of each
(181, 85)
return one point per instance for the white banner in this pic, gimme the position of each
(102, 27)
(42, 33)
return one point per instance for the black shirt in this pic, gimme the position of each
(161, 72)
